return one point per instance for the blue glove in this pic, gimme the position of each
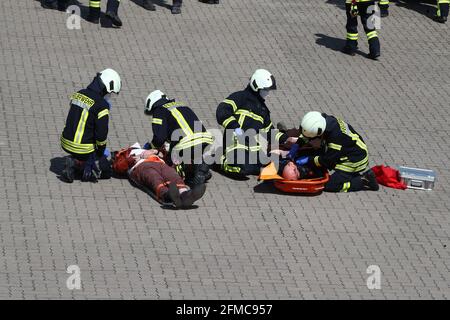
(147, 146)
(238, 132)
(293, 151)
(302, 161)
(91, 171)
(107, 153)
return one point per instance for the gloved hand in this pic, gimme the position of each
(105, 168)
(302, 161)
(293, 151)
(91, 172)
(107, 153)
(147, 146)
(238, 131)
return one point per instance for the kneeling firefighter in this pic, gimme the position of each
(346, 153)
(177, 124)
(85, 134)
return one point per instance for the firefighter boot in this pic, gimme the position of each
(374, 48)
(112, 9)
(68, 174)
(189, 197)
(176, 7)
(149, 5)
(442, 13)
(94, 15)
(370, 181)
(350, 47)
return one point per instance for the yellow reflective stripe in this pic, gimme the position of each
(335, 146)
(383, 2)
(100, 143)
(352, 36)
(255, 148)
(371, 35)
(234, 147)
(231, 103)
(77, 148)
(250, 114)
(345, 187)
(182, 122)
(103, 113)
(227, 121)
(227, 168)
(266, 129)
(94, 4)
(157, 121)
(81, 125)
(316, 161)
(241, 120)
(278, 136)
(353, 167)
(197, 138)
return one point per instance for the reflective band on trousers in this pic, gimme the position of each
(94, 4)
(75, 147)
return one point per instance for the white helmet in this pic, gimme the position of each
(111, 80)
(262, 79)
(152, 99)
(313, 124)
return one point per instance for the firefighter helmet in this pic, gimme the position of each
(152, 99)
(313, 124)
(262, 79)
(111, 80)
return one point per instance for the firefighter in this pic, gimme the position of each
(362, 8)
(384, 8)
(240, 112)
(346, 153)
(177, 124)
(60, 5)
(112, 8)
(86, 130)
(442, 11)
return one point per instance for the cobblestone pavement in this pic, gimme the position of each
(239, 243)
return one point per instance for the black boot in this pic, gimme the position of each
(112, 9)
(440, 19)
(370, 181)
(374, 47)
(350, 47)
(94, 15)
(68, 173)
(62, 5)
(174, 195)
(149, 5)
(189, 197)
(176, 7)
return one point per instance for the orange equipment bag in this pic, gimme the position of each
(303, 186)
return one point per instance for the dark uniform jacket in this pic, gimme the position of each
(247, 110)
(345, 149)
(86, 128)
(169, 116)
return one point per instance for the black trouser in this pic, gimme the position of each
(195, 170)
(352, 27)
(442, 9)
(344, 182)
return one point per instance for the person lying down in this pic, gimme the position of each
(146, 168)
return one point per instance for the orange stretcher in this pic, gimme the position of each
(303, 186)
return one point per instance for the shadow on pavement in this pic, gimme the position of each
(159, 3)
(335, 44)
(426, 8)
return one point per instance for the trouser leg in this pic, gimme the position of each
(369, 28)
(113, 6)
(344, 182)
(352, 31)
(94, 10)
(443, 8)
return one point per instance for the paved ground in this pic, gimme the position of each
(239, 243)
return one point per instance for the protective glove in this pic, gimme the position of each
(147, 146)
(107, 153)
(105, 168)
(292, 153)
(238, 131)
(91, 172)
(302, 161)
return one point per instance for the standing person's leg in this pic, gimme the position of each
(112, 12)
(149, 5)
(352, 30)
(371, 33)
(176, 7)
(442, 11)
(94, 11)
(384, 7)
